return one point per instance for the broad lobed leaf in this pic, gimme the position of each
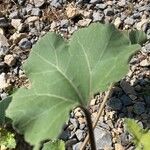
(65, 74)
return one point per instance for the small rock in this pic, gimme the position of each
(102, 138)
(32, 19)
(1, 31)
(115, 103)
(16, 23)
(36, 12)
(21, 2)
(64, 23)
(14, 15)
(109, 12)
(139, 108)
(117, 22)
(10, 60)
(39, 3)
(25, 44)
(16, 37)
(122, 3)
(77, 146)
(3, 22)
(80, 134)
(93, 102)
(128, 89)
(3, 45)
(101, 6)
(74, 122)
(55, 3)
(4, 95)
(84, 22)
(94, 1)
(118, 146)
(3, 83)
(97, 16)
(72, 11)
(129, 21)
(145, 63)
(126, 100)
(140, 24)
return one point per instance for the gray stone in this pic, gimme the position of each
(55, 3)
(122, 3)
(139, 108)
(77, 146)
(25, 44)
(124, 139)
(97, 16)
(36, 12)
(101, 6)
(64, 23)
(102, 138)
(3, 95)
(136, 15)
(74, 122)
(39, 3)
(115, 103)
(4, 46)
(147, 47)
(80, 134)
(129, 21)
(21, 2)
(14, 15)
(109, 12)
(3, 22)
(29, 8)
(126, 100)
(94, 1)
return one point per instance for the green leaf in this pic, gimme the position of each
(3, 106)
(56, 145)
(65, 74)
(141, 136)
(136, 36)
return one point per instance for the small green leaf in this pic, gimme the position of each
(65, 74)
(56, 145)
(141, 136)
(7, 139)
(136, 37)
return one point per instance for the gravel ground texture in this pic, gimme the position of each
(23, 22)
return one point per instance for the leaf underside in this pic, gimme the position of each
(65, 74)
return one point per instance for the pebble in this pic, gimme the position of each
(117, 22)
(74, 122)
(139, 108)
(3, 83)
(10, 60)
(25, 43)
(3, 95)
(71, 11)
(129, 21)
(126, 100)
(97, 16)
(80, 134)
(39, 3)
(101, 6)
(3, 45)
(115, 103)
(77, 146)
(84, 22)
(109, 12)
(64, 23)
(145, 63)
(21, 2)
(14, 15)
(102, 138)
(15, 23)
(36, 12)
(16, 37)
(3, 22)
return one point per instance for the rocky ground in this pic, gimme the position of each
(23, 22)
